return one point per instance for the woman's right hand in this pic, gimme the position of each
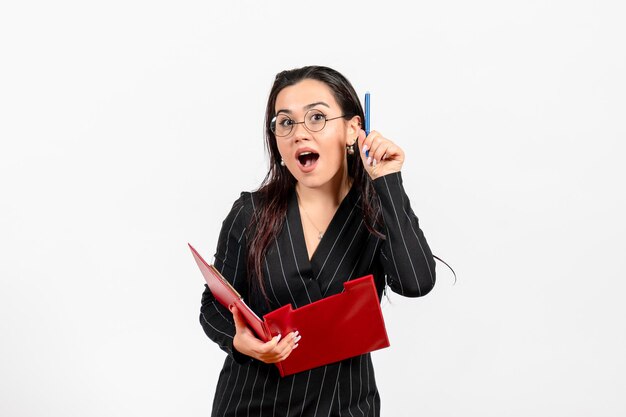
(276, 350)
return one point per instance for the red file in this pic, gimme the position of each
(334, 328)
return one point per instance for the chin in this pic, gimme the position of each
(315, 181)
(311, 182)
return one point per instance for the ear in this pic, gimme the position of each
(354, 127)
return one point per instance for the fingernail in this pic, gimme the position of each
(296, 333)
(369, 160)
(298, 339)
(365, 148)
(374, 162)
(278, 337)
(295, 346)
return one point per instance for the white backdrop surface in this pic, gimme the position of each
(128, 128)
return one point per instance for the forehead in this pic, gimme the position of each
(303, 93)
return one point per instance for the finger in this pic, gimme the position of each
(240, 322)
(372, 157)
(384, 151)
(378, 143)
(288, 342)
(271, 345)
(284, 355)
(394, 153)
(283, 350)
(369, 141)
(365, 148)
(268, 349)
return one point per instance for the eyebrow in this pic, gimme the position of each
(306, 108)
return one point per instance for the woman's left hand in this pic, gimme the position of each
(385, 157)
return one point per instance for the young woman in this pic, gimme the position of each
(331, 208)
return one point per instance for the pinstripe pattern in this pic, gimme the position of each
(247, 387)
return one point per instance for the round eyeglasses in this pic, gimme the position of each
(314, 121)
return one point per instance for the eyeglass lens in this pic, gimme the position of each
(314, 120)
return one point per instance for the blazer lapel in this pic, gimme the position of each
(335, 241)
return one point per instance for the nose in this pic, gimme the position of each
(300, 132)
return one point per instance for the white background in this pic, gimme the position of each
(128, 128)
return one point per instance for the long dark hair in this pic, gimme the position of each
(274, 190)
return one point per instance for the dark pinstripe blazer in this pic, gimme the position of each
(247, 387)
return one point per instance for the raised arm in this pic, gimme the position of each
(405, 255)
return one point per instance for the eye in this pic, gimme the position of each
(317, 117)
(284, 122)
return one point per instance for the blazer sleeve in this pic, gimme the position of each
(230, 259)
(405, 255)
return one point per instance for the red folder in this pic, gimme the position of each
(334, 328)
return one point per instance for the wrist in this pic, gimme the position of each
(238, 355)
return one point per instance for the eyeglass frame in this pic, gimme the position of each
(326, 119)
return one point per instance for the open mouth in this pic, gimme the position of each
(308, 158)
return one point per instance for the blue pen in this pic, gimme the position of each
(367, 118)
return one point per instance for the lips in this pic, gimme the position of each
(307, 159)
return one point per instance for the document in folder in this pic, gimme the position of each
(335, 328)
